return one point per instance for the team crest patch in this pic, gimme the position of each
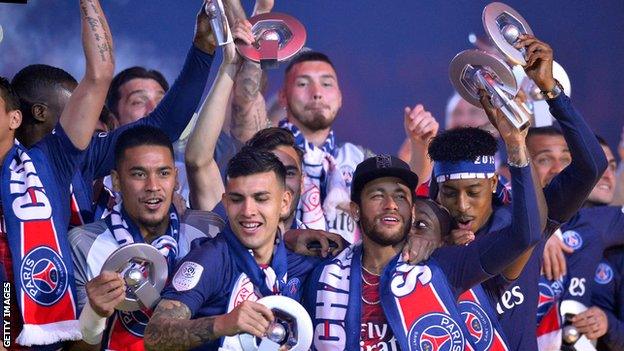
(436, 332)
(478, 323)
(572, 239)
(134, 322)
(292, 287)
(44, 276)
(604, 274)
(187, 276)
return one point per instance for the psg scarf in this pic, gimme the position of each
(416, 300)
(481, 322)
(125, 330)
(42, 266)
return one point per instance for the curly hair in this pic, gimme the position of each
(460, 144)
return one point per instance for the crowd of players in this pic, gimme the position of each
(455, 247)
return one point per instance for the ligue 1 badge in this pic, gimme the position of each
(291, 329)
(278, 38)
(145, 272)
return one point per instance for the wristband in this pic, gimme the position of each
(92, 325)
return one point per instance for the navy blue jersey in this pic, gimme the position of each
(208, 280)
(175, 111)
(589, 233)
(608, 294)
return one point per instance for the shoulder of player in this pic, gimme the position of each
(209, 251)
(85, 235)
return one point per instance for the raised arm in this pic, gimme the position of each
(420, 128)
(249, 113)
(80, 115)
(567, 192)
(206, 186)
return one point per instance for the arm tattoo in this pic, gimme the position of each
(170, 328)
(517, 155)
(248, 109)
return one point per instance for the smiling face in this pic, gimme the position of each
(468, 200)
(146, 177)
(254, 206)
(549, 155)
(311, 95)
(385, 211)
(604, 190)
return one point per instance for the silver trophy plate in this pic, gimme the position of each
(503, 25)
(145, 272)
(278, 38)
(292, 328)
(581, 343)
(472, 70)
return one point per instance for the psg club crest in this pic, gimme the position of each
(134, 322)
(478, 324)
(604, 274)
(436, 332)
(44, 276)
(549, 291)
(572, 239)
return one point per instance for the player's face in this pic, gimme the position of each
(468, 200)
(289, 157)
(386, 211)
(604, 190)
(146, 178)
(311, 94)
(549, 155)
(425, 222)
(137, 98)
(254, 206)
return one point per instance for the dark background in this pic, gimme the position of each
(388, 54)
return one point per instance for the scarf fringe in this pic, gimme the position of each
(45, 334)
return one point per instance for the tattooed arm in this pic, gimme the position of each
(80, 115)
(249, 113)
(170, 327)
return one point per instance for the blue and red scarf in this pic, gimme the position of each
(42, 265)
(484, 330)
(416, 299)
(125, 330)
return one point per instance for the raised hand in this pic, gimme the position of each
(539, 57)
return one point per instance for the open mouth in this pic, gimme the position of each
(464, 223)
(250, 227)
(390, 220)
(153, 203)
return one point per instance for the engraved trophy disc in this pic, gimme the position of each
(144, 270)
(503, 25)
(218, 21)
(571, 336)
(472, 70)
(291, 328)
(278, 38)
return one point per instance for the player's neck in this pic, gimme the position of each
(375, 256)
(151, 233)
(5, 146)
(263, 255)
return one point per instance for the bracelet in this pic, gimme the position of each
(528, 161)
(92, 325)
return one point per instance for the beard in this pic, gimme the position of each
(370, 230)
(314, 120)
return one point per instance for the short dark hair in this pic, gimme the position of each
(547, 131)
(250, 161)
(270, 138)
(305, 56)
(443, 215)
(112, 99)
(462, 144)
(138, 136)
(8, 94)
(34, 80)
